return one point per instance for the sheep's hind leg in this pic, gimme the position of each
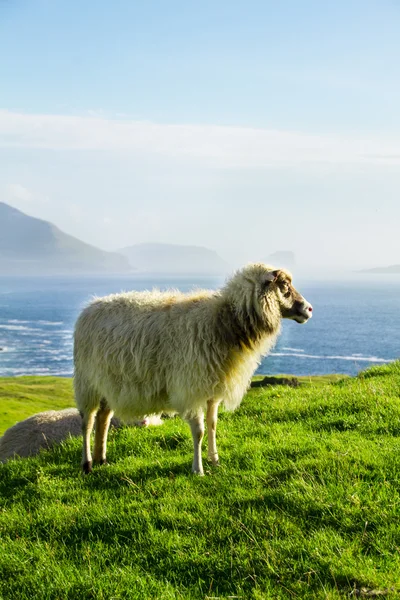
(212, 416)
(197, 427)
(103, 419)
(87, 426)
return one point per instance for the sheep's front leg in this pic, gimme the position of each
(212, 416)
(87, 426)
(103, 419)
(197, 427)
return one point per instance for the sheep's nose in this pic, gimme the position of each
(310, 309)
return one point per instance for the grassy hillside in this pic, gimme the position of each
(306, 504)
(21, 397)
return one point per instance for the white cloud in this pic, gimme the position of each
(75, 211)
(16, 191)
(20, 195)
(220, 146)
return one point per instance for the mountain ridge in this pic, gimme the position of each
(382, 270)
(175, 259)
(28, 243)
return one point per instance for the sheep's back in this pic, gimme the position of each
(149, 345)
(42, 430)
(152, 351)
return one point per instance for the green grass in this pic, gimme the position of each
(21, 397)
(306, 504)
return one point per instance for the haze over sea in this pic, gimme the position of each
(355, 323)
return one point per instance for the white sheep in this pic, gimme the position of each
(45, 429)
(137, 353)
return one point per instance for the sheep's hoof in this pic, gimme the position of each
(99, 461)
(87, 467)
(198, 473)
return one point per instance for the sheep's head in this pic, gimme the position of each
(263, 295)
(278, 285)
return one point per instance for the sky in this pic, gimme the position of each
(244, 126)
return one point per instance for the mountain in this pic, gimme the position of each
(282, 258)
(172, 259)
(29, 245)
(388, 270)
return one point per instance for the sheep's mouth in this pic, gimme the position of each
(302, 315)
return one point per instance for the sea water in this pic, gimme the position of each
(355, 324)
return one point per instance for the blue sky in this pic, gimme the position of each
(207, 123)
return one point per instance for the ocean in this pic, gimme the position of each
(355, 324)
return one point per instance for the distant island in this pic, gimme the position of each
(30, 245)
(174, 259)
(383, 270)
(282, 258)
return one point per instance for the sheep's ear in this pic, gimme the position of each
(271, 276)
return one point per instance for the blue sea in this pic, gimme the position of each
(355, 324)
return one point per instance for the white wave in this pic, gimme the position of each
(39, 333)
(33, 333)
(4, 349)
(30, 371)
(292, 349)
(22, 372)
(39, 322)
(63, 373)
(18, 328)
(371, 359)
(55, 357)
(17, 321)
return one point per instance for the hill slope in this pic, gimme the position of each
(28, 244)
(282, 258)
(174, 259)
(22, 397)
(305, 505)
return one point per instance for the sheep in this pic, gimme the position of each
(152, 351)
(48, 428)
